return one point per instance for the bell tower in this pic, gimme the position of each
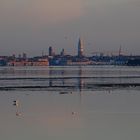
(80, 48)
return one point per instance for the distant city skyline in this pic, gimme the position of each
(34, 25)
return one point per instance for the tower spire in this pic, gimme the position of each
(80, 48)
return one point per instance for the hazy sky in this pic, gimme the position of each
(32, 26)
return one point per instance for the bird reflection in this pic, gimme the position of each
(18, 114)
(73, 113)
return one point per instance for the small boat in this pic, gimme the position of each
(63, 92)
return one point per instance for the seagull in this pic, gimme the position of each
(16, 103)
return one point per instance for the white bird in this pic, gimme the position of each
(16, 103)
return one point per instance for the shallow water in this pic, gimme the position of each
(80, 113)
(68, 78)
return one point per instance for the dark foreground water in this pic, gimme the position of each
(65, 103)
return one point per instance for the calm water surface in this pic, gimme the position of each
(64, 103)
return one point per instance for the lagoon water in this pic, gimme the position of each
(64, 103)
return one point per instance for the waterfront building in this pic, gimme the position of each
(78, 63)
(51, 52)
(24, 56)
(30, 62)
(62, 52)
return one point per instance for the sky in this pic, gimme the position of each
(31, 26)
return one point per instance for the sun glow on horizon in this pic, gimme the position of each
(42, 11)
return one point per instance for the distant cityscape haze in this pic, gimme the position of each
(34, 25)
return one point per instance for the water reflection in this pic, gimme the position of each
(77, 81)
(80, 80)
(88, 113)
(68, 78)
(53, 116)
(52, 79)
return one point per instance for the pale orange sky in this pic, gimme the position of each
(40, 11)
(32, 26)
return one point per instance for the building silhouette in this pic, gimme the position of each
(51, 52)
(80, 48)
(62, 52)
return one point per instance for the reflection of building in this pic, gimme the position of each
(54, 80)
(80, 80)
(50, 74)
(58, 79)
(80, 48)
